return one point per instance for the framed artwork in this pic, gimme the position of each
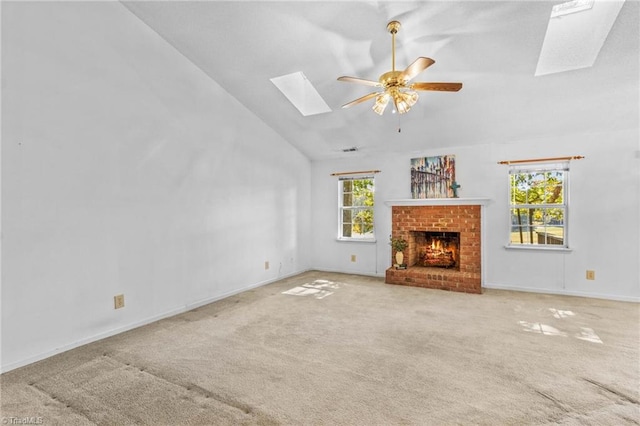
(432, 177)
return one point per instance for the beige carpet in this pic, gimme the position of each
(324, 349)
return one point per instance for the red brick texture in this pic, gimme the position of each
(463, 219)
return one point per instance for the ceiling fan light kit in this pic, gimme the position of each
(395, 84)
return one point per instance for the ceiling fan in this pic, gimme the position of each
(396, 85)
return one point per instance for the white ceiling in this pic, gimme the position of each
(491, 47)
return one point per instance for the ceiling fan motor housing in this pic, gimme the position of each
(392, 79)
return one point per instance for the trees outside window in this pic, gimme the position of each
(538, 205)
(356, 203)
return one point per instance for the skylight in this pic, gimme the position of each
(571, 7)
(576, 32)
(301, 93)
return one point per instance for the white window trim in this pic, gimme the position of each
(539, 167)
(340, 238)
(545, 247)
(356, 240)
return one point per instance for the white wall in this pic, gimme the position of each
(125, 169)
(604, 214)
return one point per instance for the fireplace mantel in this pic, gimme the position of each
(439, 201)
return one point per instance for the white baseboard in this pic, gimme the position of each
(563, 292)
(363, 273)
(512, 288)
(188, 307)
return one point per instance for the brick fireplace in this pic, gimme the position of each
(425, 224)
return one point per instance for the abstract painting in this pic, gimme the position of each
(432, 177)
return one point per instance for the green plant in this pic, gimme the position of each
(398, 244)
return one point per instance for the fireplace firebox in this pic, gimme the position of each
(436, 249)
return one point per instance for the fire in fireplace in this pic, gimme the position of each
(438, 249)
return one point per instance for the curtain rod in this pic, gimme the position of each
(364, 172)
(538, 160)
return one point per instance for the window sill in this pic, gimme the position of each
(539, 248)
(356, 240)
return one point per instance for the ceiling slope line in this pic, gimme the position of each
(250, 111)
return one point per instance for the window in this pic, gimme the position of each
(538, 206)
(355, 208)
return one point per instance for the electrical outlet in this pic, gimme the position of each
(591, 275)
(118, 301)
(353, 257)
(266, 265)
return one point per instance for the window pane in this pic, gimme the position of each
(554, 193)
(536, 216)
(535, 191)
(554, 217)
(356, 211)
(549, 238)
(359, 199)
(553, 230)
(363, 192)
(358, 227)
(521, 191)
(363, 222)
(519, 217)
(521, 235)
(521, 231)
(346, 216)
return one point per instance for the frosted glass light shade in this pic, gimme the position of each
(381, 103)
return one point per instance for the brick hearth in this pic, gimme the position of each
(465, 219)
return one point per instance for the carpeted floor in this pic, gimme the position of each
(334, 349)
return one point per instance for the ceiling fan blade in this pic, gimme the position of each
(359, 81)
(443, 87)
(416, 68)
(360, 100)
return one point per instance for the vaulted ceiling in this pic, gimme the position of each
(491, 47)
